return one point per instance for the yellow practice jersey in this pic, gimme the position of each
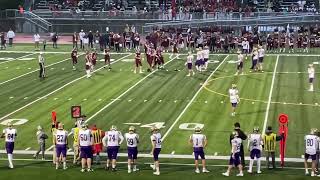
(75, 135)
(269, 142)
(53, 130)
(97, 136)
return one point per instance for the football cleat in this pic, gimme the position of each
(259, 172)
(197, 171)
(240, 174)
(205, 171)
(152, 166)
(83, 170)
(156, 173)
(89, 170)
(225, 174)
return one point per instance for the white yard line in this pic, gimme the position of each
(270, 96)
(17, 58)
(22, 75)
(45, 96)
(116, 99)
(193, 98)
(125, 92)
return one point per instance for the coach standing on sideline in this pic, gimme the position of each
(75, 40)
(243, 137)
(42, 72)
(10, 36)
(81, 36)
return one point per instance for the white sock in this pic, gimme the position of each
(113, 166)
(10, 157)
(311, 87)
(129, 167)
(64, 164)
(250, 165)
(134, 166)
(258, 164)
(157, 169)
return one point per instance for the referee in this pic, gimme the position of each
(42, 71)
(243, 137)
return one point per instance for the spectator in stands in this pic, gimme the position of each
(75, 40)
(85, 42)
(36, 38)
(90, 38)
(10, 36)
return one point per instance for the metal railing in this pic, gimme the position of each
(34, 19)
(164, 16)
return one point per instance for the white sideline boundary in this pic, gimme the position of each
(193, 98)
(22, 75)
(117, 98)
(65, 85)
(270, 96)
(166, 156)
(167, 53)
(30, 54)
(55, 52)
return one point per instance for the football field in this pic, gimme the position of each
(165, 98)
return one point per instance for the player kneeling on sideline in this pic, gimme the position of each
(138, 64)
(85, 144)
(255, 143)
(132, 143)
(156, 148)
(199, 141)
(112, 141)
(10, 135)
(235, 155)
(311, 144)
(234, 98)
(189, 63)
(61, 143)
(311, 72)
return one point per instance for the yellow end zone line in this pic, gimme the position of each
(256, 100)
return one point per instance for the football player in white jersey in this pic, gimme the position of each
(239, 63)
(189, 63)
(132, 143)
(261, 53)
(10, 135)
(85, 140)
(112, 140)
(61, 143)
(199, 142)
(255, 143)
(235, 155)
(199, 60)
(312, 145)
(206, 53)
(156, 148)
(311, 73)
(234, 98)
